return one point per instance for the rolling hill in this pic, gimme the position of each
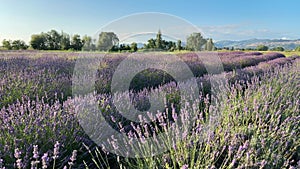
(253, 43)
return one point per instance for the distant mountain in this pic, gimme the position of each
(253, 43)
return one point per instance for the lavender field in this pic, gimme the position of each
(258, 108)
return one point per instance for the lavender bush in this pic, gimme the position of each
(32, 77)
(258, 125)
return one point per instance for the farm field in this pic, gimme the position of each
(291, 53)
(255, 112)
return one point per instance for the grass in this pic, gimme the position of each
(291, 53)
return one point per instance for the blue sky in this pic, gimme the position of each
(219, 19)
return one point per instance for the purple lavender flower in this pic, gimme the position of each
(233, 162)
(73, 158)
(230, 149)
(56, 150)
(185, 166)
(19, 163)
(35, 152)
(263, 163)
(45, 160)
(17, 153)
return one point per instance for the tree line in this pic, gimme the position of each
(14, 45)
(107, 41)
(259, 48)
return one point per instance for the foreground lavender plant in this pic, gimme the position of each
(45, 161)
(73, 159)
(17, 155)
(34, 164)
(55, 152)
(258, 127)
(39, 124)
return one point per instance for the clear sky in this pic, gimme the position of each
(219, 19)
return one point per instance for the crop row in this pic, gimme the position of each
(39, 74)
(258, 122)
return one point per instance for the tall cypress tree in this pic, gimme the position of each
(209, 46)
(158, 43)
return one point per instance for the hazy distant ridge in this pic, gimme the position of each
(253, 43)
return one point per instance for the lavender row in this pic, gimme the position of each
(35, 122)
(46, 73)
(153, 78)
(47, 76)
(256, 127)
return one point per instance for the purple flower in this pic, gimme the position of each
(56, 150)
(35, 152)
(73, 158)
(45, 160)
(17, 153)
(230, 149)
(246, 145)
(19, 163)
(185, 166)
(233, 162)
(263, 163)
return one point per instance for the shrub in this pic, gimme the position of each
(262, 48)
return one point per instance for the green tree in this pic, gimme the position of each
(19, 45)
(179, 46)
(133, 47)
(38, 41)
(168, 45)
(262, 48)
(124, 47)
(195, 42)
(279, 48)
(88, 43)
(107, 40)
(76, 42)
(297, 49)
(65, 42)
(209, 46)
(160, 44)
(150, 44)
(158, 41)
(53, 39)
(7, 44)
